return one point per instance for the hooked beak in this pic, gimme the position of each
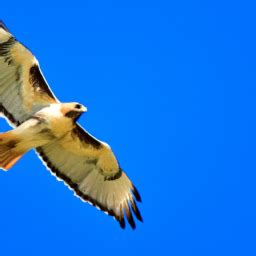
(83, 108)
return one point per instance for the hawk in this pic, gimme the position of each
(85, 164)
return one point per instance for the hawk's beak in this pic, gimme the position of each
(83, 109)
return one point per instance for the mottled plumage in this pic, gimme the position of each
(87, 165)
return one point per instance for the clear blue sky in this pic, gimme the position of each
(170, 85)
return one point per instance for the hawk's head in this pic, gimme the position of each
(73, 110)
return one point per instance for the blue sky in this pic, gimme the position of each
(170, 85)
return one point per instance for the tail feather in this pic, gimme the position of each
(9, 153)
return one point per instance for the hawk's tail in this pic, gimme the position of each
(9, 153)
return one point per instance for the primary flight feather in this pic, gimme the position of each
(87, 165)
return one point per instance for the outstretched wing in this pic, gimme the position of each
(90, 169)
(23, 89)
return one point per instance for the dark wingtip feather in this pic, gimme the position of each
(120, 219)
(129, 216)
(2, 25)
(136, 211)
(122, 223)
(136, 193)
(132, 222)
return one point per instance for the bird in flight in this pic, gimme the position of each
(85, 164)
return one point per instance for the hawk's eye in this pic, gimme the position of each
(78, 106)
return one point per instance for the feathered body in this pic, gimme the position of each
(87, 165)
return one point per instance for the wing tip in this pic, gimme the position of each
(136, 193)
(129, 216)
(3, 26)
(136, 211)
(121, 222)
